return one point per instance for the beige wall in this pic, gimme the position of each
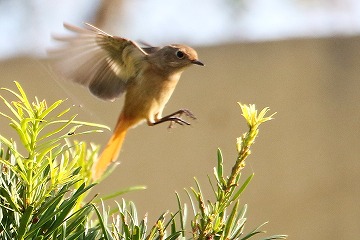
(306, 161)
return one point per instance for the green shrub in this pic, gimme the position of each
(43, 186)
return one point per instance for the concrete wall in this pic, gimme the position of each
(306, 161)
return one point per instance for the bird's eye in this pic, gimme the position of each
(180, 54)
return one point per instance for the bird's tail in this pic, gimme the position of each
(112, 149)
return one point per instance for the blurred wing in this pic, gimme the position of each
(150, 50)
(95, 59)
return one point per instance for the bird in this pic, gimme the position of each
(110, 66)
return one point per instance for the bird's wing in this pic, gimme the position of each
(150, 50)
(95, 59)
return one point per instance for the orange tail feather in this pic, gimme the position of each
(112, 149)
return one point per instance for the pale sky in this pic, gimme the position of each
(26, 25)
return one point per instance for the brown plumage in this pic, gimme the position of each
(110, 65)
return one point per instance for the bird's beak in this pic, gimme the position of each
(197, 62)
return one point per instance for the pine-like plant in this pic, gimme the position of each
(44, 182)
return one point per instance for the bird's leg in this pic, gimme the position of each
(176, 119)
(180, 113)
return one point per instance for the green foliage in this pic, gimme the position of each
(42, 188)
(44, 182)
(211, 220)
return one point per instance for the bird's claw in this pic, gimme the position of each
(176, 118)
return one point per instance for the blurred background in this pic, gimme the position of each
(298, 57)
